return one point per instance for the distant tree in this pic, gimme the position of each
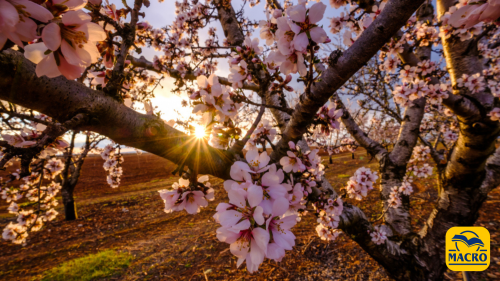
(73, 162)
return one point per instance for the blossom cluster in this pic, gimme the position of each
(262, 134)
(378, 235)
(186, 196)
(258, 202)
(328, 211)
(295, 30)
(213, 101)
(28, 186)
(415, 84)
(113, 160)
(265, 202)
(68, 39)
(360, 183)
(40, 201)
(328, 118)
(354, 22)
(418, 168)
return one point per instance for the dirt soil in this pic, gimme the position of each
(179, 246)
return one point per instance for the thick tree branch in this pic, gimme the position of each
(492, 178)
(61, 99)
(230, 25)
(342, 67)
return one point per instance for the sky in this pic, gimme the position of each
(162, 14)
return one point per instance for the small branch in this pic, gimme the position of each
(373, 147)
(284, 109)
(144, 63)
(114, 85)
(239, 145)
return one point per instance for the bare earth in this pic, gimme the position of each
(179, 246)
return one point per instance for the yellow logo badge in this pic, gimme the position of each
(467, 248)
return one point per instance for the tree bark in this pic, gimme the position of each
(69, 202)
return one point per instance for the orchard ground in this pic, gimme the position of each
(178, 246)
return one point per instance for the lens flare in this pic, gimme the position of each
(199, 132)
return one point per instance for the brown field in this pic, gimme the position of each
(179, 246)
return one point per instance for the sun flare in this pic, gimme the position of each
(200, 132)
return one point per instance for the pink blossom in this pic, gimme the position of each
(285, 36)
(17, 140)
(257, 162)
(238, 74)
(406, 188)
(305, 25)
(70, 5)
(360, 183)
(293, 64)
(192, 201)
(99, 77)
(16, 23)
(182, 197)
(272, 188)
(495, 114)
(240, 220)
(378, 235)
(282, 238)
(334, 116)
(292, 163)
(253, 44)
(470, 15)
(68, 47)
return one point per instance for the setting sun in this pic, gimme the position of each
(200, 132)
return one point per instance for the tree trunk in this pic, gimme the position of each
(69, 203)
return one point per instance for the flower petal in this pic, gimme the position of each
(318, 35)
(280, 206)
(297, 13)
(255, 195)
(258, 215)
(36, 11)
(48, 67)
(51, 36)
(93, 31)
(316, 12)
(76, 18)
(35, 52)
(8, 14)
(70, 71)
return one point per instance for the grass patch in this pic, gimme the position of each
(102, 264)
(343, 176)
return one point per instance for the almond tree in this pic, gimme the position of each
(46, 46)
(73, 162)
